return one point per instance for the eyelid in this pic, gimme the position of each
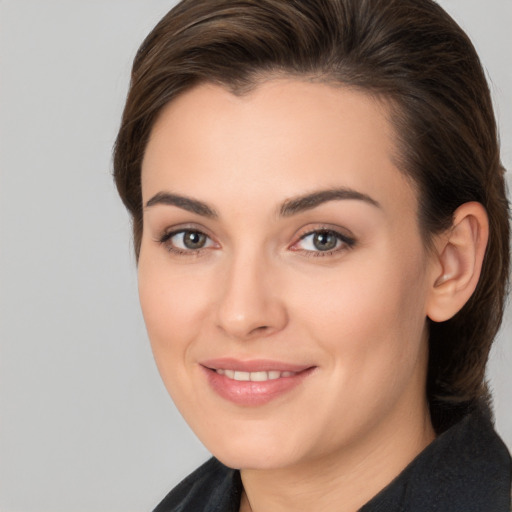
(348, 241)
(165, 240)
(171, 230)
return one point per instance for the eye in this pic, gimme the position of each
(186, 241)
(325, 241)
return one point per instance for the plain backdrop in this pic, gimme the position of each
(85, 423)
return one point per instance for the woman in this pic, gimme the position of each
(322, 239)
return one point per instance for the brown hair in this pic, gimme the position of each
(409, 52)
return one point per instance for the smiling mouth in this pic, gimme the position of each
(261, 376)
(253, 383)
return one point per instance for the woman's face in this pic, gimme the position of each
(282, 275)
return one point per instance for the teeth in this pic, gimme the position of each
(259, 376)
(253, 376)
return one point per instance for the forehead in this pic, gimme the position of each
(285, 137)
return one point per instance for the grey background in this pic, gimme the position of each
(85, 424)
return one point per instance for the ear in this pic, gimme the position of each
(458, 258)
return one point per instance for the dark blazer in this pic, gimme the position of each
(465, 469)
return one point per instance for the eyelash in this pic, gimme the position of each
(165, 240)
(346, 241)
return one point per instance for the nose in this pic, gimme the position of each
(250, 304)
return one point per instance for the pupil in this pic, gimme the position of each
(194, 240)
(325, 241)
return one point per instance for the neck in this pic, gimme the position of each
(345, 480)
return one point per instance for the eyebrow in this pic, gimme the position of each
(288, 208)
(183, 202)
(309, 201)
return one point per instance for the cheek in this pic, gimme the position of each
(369, 316)
(171, 305)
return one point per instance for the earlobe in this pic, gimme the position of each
(459, 256)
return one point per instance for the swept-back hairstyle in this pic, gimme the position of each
(409, 53)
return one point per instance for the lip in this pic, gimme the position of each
(250, 393)
(254, 365)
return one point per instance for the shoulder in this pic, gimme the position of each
(467, 468)
(211, 487)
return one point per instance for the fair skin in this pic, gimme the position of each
(237, 269)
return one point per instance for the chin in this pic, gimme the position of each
(253, 461)
(249, 453)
